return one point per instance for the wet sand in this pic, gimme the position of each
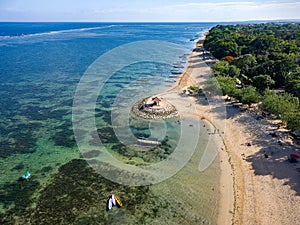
(196, 73)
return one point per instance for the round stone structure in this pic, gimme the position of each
(154, 108)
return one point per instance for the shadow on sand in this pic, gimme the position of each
(275, 147)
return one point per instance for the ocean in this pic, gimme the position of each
(41, 67)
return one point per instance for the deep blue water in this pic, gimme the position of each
(19, 29)
(28, 49)
(40, 67)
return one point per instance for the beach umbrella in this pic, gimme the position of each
(294, 156)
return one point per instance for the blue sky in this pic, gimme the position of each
(148, 10)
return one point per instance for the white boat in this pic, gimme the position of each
(149, 141)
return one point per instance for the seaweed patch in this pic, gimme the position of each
(64, 138)
(77, 189)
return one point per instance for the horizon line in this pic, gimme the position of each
(82, 21)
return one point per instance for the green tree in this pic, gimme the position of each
(283, 65)
(293, 121)
(264, 44)
(196, 89)
(289, 47)
(262, 82)
(280, 105)
(223, 48)
(258, 49)
(293, 84)
(245, 40)
(227, 84)
(223, 68)
(266, 66)
(245, 63)
(249, 95)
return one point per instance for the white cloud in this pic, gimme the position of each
(198, 10)
(225, 11)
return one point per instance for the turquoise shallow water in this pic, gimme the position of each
(40, 67)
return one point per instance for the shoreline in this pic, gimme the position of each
(196, 73)
(227, 202)
(192, 76)
(257, 184)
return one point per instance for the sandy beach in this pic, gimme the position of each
(258, 184)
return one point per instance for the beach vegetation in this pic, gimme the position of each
(280, 105)
(196, 89)
(293, 84)
(247, 95)
(245, 63)
(227, 84)
(293, 121)
(262, 82)
(220, 42)
(224, 68)
(265, 56)
(285, 107)
(263, 44)
(268, 49)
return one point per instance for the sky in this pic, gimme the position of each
(148, 10)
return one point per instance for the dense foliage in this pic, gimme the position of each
(285, 106)
(247, 95)
(261, 57)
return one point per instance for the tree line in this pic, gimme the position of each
(258, 59)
